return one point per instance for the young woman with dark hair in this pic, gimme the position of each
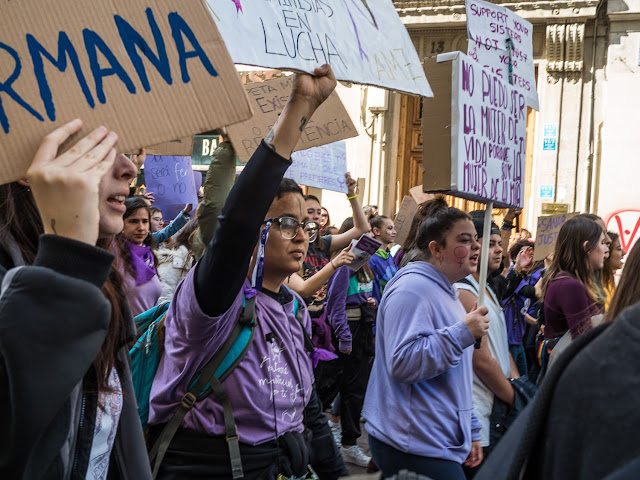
(612, 264)
(263, 230)
(67, 395)
(419, 407)
(570, 294)
(135, 258)
(382, 263)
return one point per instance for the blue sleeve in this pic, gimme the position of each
(475, 428)
(170, 230)
(415, 350)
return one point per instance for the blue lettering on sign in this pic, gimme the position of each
(93, 42)
(133, 41)
(98, 51)
(178, 28)
(65, 49)
(6, 88)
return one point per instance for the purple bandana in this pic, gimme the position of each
(142, 261)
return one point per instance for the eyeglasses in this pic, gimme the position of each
(289, 227)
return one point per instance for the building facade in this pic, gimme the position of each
(582, 146)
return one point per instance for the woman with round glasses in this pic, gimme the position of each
(262, 238)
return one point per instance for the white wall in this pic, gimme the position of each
(619, 172)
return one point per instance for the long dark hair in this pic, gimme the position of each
(570, 255)
(20, 222)
(439, 220)
(628, 290)
(133, 204)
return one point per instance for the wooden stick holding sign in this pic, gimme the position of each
(484, 255)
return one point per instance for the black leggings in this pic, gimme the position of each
(391, 461)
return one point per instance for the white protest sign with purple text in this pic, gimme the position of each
(320, 167)
(488, 135)
(170, 179)
(489, 28)
(363, 41)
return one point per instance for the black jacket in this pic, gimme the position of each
(53, 321)
(584, 420)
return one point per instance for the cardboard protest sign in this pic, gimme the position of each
(418, 194)
(476, 134)
(170, 179)
(321, 167)
(177, 147)
(150, 71)
(329, 123)
(364, 42)
(498, 37)
(547, 233)
(404, 219)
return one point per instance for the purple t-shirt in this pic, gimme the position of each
(142, 297)
(268, 390)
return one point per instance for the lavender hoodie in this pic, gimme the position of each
(275, 374)
(419, 398)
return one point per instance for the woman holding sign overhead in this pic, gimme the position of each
(272, 425)
(68, 404)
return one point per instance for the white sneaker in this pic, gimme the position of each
(355, 455)
(336, 430)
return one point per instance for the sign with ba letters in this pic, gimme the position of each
(363, 41)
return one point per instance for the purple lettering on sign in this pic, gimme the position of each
(171, 180)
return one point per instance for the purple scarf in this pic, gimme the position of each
(142, 261)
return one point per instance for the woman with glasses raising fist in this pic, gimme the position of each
(262, 238)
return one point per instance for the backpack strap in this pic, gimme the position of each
(209, 379)
(309, 344)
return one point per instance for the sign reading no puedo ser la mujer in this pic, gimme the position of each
(364, 41)
(150, 71)
(476, 130)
